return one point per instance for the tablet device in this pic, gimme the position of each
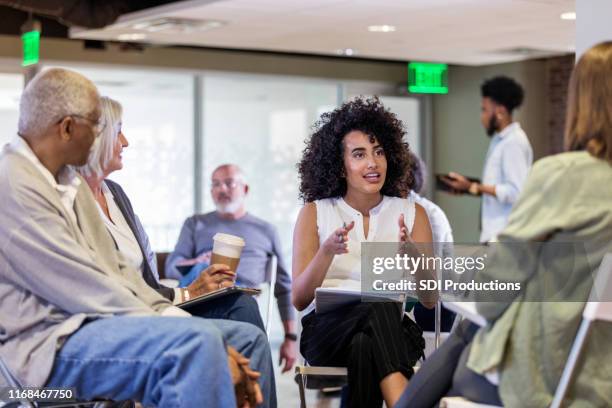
(215, 294)
(442, 186)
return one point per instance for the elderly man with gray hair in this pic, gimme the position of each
(72, 314)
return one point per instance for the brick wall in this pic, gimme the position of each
(559, 70)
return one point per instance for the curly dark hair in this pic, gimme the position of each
(322, 166)
(503, 90)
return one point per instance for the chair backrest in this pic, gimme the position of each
(271, 267)
(597, 308)
(161, 263)
(270, 278)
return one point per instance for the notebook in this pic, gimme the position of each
(327, 299)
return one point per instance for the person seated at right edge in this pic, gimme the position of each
(353, 173)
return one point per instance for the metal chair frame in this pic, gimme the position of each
(593, 311)
(270, 279)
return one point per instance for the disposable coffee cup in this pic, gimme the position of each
(226, 250)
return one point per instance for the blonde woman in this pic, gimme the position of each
(133, 246)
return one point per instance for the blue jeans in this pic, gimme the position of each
(160, 361)
(192, 275)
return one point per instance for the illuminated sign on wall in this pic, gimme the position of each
(31, 47)
(426, 77)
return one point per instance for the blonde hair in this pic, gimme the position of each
(102, 150)
(588, 124)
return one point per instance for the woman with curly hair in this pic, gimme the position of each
(354, 183)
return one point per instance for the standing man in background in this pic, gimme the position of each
(229, 190)
(508, 159)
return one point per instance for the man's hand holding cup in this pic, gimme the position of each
(216, 276)
(224, 261)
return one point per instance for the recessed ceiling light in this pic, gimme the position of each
(570, 15)
(132, 37)
(381, 28)
(346, 51)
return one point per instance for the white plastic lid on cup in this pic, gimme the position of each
(228, 245)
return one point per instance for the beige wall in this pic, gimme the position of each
(460, 142)
(208, 59)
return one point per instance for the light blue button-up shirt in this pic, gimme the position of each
(507, 163)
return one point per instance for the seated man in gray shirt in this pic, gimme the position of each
(195, 243)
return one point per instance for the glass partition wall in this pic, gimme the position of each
(261, 123)
(10, 91)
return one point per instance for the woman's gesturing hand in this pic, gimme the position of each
(404, 235)
(337, 242)
(407, 244)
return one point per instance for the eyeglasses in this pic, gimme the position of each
(97, 126)
(229, 183)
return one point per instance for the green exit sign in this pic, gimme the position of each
(426, 77)
(31, 47)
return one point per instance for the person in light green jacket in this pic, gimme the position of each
(565, 210)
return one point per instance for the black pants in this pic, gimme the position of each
(445, 374)
(426, 318)
(369, 339)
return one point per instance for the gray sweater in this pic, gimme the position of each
(54, 274)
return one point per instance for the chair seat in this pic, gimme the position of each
(317, 370)
(322, 382)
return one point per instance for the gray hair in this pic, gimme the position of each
(102, 151)
(237, 168)
(52, 95)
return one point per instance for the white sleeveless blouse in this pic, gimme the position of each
(345, 269)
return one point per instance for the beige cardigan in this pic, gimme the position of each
(566, 198)
(54, 274)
